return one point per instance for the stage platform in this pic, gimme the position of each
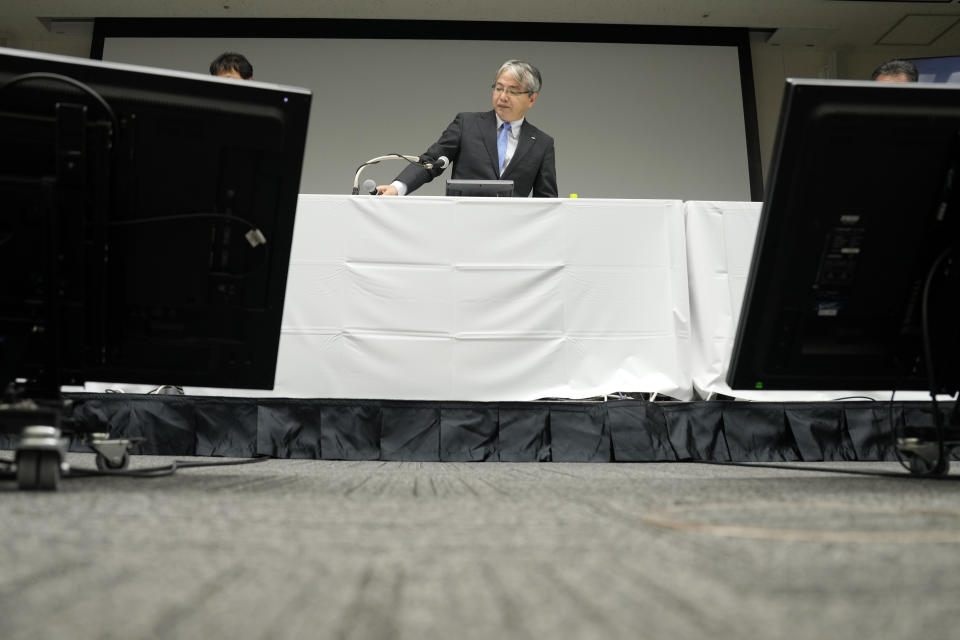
(615, 430)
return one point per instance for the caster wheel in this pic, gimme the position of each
(38, 470)
(104, 464)
(48, 471)
(27, 465)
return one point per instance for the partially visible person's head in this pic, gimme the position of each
(515, 89)
(896, 70)
(232, 65)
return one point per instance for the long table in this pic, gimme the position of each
(513, 299)
(477, 299)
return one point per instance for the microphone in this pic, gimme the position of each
(441, 163)
(370, 186)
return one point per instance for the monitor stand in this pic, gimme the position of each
(40, 427)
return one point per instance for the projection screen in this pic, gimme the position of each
(673, 118)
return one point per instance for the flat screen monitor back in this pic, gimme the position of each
(129, 199)
(480, 188)
(860, 209)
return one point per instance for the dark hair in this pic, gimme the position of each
(897, 67)
(230, 61)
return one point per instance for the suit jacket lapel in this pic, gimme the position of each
(524, 144)
(488, 133)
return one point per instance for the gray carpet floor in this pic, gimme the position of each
(320, 549)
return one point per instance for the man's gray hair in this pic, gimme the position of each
(897, 67)
(525, 73)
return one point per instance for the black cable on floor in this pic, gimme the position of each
(142, 472)
(786, 467)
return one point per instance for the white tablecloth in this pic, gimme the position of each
(434, 298)
(483, 300)
(480, 299)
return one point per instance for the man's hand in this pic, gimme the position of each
(386, 190)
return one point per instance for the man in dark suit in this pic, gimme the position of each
(494, 145)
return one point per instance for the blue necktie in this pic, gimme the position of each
(502, 143)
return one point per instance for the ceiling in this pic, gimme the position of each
(923, 27)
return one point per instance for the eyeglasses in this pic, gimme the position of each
(498, 88)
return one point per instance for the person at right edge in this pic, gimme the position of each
(896, 70)
(470, 142)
